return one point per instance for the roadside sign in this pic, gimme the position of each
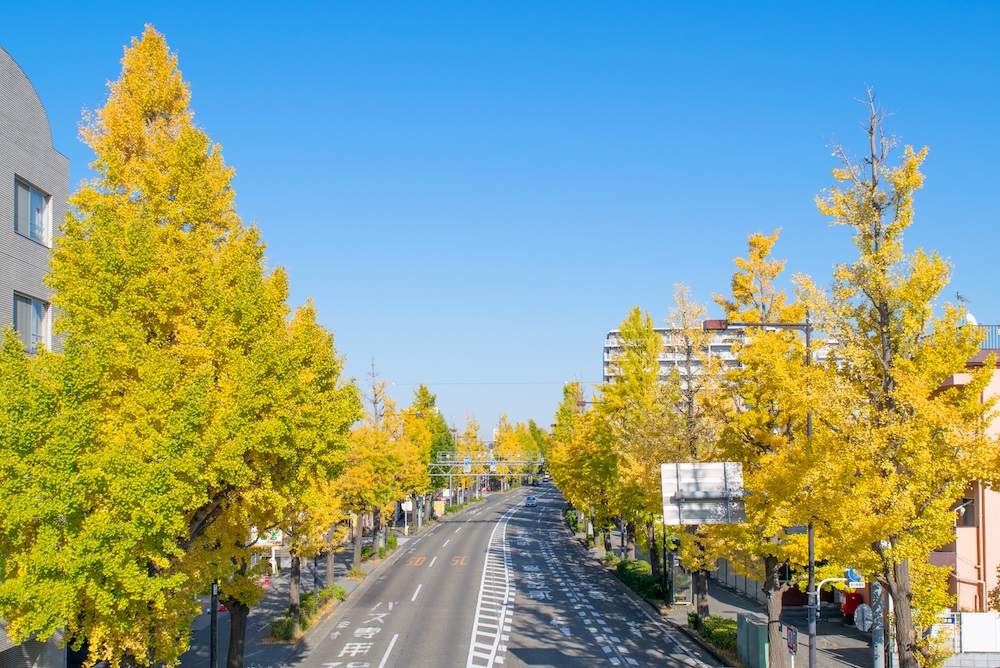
(792, 635)
(856, 585)
(702, 493)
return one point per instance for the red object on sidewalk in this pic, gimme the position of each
(267, 582)
(850, 603)
(222, 608)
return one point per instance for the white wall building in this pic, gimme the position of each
(672, 353)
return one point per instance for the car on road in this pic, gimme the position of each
(530, 501)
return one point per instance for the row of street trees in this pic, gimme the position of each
(189, 410)
(187, 407)
(867, 443)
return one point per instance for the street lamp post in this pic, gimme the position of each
(812, 597)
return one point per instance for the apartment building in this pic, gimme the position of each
(34, 185)
(673, 353)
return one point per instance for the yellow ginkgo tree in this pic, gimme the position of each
(764, 405)
(170, 420)
(908, 442)
(635, 419)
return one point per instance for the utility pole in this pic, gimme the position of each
(214, 634)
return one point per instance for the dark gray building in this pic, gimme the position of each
(34, 185)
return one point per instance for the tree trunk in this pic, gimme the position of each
(901, 591)
(331, 548)
(130, 661)
(654, 552)
(376, 532)
(630, 543)
(238, 613)
(777, 652)
(701, 596)
(608, 549)
(294, 586)
(358, 531)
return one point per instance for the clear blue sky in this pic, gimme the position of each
(475, 193)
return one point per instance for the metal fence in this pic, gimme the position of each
(992, 336)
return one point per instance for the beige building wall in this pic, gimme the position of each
(974, 556)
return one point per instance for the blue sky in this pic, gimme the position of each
(474, 193)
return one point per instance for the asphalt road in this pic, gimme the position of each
(500, 584)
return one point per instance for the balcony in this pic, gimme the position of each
(992, 336)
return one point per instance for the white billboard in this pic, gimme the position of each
(703, 493)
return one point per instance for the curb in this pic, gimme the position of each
(708, 649)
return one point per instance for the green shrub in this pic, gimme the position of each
(720, 632)
(366, 552)
(638, 575)
(571, 519)
(333, 591)
(610, 559)
(590, 541)
(357, 573)
(283, 628)
(381, 552)
(308, 607)
(391, 541)
(693, 620)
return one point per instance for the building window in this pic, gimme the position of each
(31, 212)
(967, 513)
(30, 322)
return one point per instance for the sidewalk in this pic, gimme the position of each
(837, 644)
(257, 650)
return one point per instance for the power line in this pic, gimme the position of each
(540, 382)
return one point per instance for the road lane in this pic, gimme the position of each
(571, 612)
(496, 586)
(416, 609)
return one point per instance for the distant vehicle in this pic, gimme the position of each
(545, 478)
(530, 501)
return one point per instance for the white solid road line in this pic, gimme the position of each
(387, 651)
(432, 562)
(416, 592)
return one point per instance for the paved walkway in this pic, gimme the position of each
(837, 644)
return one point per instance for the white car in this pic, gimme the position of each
(530, 501)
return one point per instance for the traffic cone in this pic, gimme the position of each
(267, 581)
